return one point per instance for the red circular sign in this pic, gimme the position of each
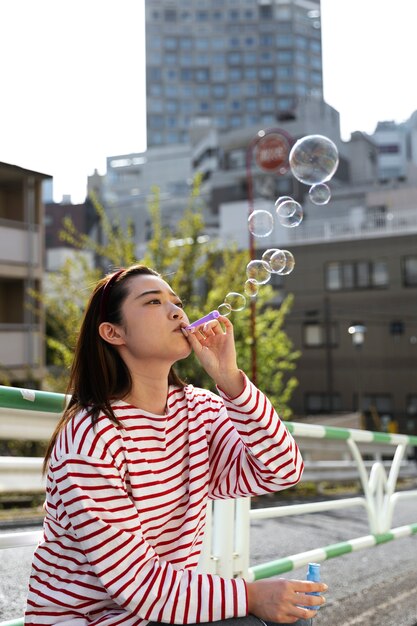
(272, 152)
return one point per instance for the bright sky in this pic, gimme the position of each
(73, 78)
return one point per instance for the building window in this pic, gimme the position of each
(266, 73)
(389, 148)
(218, 43)
(236, 121)
(285, 56)
(202, 91)
(266, 40)
(250, 73)
(314, 335)
(265, 12)
(202, 16)
(234, 58)
(377, 402)
(285, 72)
(218, 58)
(266, 89)
(235, 90)
(202, 75)
(219, 106)
(186, 43)
(202, 44)
(345, 275)
(154, 74)
(170, 15)
(412, 405)
(251, 105)
(171, 106)
(171, 59)
(235, 105)
(235, 73)
(322, 403)
(170, 43)
(410, 271)
(267, 104)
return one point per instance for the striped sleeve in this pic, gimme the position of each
(107, 528)
(251, 450)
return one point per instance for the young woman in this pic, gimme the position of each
(133, 462)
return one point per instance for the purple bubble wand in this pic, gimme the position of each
(203, 320)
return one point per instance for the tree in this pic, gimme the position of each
(200, 272)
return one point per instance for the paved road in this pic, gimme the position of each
(374, 587)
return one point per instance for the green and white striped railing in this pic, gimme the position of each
(231, 520)
(226, 548)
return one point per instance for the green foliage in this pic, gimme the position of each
(200, 273)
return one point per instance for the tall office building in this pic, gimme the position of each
(239, 62)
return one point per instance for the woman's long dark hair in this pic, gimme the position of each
(98, 374)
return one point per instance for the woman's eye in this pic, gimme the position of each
(180, 304)
(154, 301)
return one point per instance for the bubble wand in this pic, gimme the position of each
(203, 320)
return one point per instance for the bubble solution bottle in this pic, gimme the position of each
(313, 574)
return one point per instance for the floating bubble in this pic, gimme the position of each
(251, 287)
(289, 263)
(313, 159)
(236, 301)
(224, 309)
(280, 200)
(268, 254)
(278, 262)
(320, 193)
(287, 208)
(260, 223)
(294, 218)
(259, 271)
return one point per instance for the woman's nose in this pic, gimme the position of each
(177, 312)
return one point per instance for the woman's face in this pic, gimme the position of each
(152, 317)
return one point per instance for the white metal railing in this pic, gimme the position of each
(379, 498)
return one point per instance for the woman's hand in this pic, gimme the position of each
(214, 346)
(281, 600)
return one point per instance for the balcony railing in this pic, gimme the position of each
(18, 244)
(354, 226)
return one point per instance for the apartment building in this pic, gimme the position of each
(239, 62)
(21, 270)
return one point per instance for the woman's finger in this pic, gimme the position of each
(226, 323)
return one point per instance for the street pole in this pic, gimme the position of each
(272, 149)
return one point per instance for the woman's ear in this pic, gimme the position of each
(110, 333)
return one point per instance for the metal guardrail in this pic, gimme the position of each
(231, 519)
(226, 544)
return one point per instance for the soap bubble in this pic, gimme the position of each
(236, 301)
(295, 218)
(287, 208)
(224, 309)
(278, 261)
(259, 271)
(313, 159)
(320, 193)
(279, 201)
(275, 259)
(289, 263)
(268, 254)
(251, 287)
(260, 223)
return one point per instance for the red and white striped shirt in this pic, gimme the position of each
(125, 508)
